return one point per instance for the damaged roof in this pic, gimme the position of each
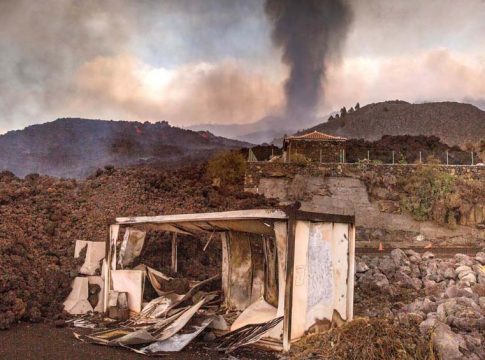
(223, 215)
(253, 221)
(258, 221)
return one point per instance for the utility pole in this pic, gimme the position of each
(447, 158)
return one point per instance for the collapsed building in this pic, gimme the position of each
(302, 282)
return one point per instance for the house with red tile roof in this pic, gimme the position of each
(314, 146)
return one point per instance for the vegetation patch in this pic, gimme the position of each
(227, 166)
(426, 187)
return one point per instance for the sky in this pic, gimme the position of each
(213, 61)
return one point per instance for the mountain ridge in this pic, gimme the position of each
(454, 123)
(75, 147)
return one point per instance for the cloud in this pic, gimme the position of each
(125, 87)
(434, 75)
(176, 59)
(397, 27)
(44, 44)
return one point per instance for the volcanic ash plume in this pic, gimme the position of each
(311, 33)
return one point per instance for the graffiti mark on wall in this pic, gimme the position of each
(320, 279)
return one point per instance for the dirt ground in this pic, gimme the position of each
(44, 341)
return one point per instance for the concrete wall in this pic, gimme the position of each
(344, 189)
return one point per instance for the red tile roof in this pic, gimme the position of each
(316, 135)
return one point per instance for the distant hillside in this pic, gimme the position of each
(454, 123)
(77, 147)
(265, 130)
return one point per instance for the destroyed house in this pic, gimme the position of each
(315, 146)
(306, 283)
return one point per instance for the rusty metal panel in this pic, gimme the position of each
(239, 270)
(270, 271)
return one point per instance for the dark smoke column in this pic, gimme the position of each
(311, 33)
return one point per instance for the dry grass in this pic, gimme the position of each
(366, 338)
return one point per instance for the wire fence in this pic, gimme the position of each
(371, 156)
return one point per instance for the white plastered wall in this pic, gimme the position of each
(320, 274)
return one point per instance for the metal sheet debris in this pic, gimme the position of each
(132, 282)
(77, 302)
(131, 246)
(161, 331)
(256, 313)
(95, 253)
(178, 341)
(246, 335)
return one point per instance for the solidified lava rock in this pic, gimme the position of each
(42, 216)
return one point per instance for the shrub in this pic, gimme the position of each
(299, 159)
(424, 189)
(363, 163)
(228, 166)
(432, 160)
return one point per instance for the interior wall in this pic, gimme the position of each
(270, 271)
(238, 270)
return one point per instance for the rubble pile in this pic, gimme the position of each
(366, 338)
(445, 296)
(42, 217)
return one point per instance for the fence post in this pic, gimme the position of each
(251, 156)
(472, 159)
(343, 156)
(393, 157)
(368, 155)
(447, 158)
(420, 158)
